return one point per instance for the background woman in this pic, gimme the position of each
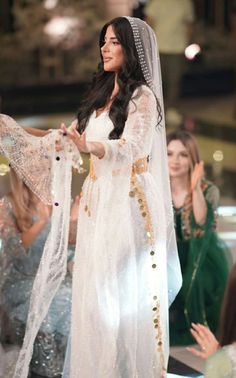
(24, 227)
(202, 255)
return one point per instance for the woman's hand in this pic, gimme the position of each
(95, 148)
(79, 139)
(197, 175)
(205, 339)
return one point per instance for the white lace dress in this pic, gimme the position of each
(125, 229)
(117, 329)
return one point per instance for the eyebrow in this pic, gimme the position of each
(112, 38)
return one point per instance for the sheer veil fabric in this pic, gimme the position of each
(126, 271)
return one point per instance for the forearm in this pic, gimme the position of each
(72, 232)
(199, 206)
(29, 236)
(96, 149)
(36, 132)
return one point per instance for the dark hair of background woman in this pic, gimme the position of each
(129, 78)
(228, 313)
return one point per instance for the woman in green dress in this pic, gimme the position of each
(202, 254)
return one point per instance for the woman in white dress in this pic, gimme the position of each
(126, 264)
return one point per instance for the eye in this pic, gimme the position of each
(184, 154)
(169, 153)
(116, 43)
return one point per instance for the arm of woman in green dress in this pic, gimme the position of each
(198, 200)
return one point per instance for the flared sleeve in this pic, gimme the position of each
(136, 139)
(28, 155)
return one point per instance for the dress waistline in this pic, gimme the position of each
(139, 166)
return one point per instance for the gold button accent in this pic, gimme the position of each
(154, 309)
(155, 320)
(144, 214)
(155, 297)
(154, 266)
(131, 193)
(152, 253)
(140, 200)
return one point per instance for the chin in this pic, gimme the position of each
(109, 68)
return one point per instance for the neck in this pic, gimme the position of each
(179, 184)
(115, 89)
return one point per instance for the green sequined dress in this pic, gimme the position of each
(204, 260)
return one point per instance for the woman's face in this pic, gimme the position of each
(178, 159)
(112, 52)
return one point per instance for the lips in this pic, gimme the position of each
(106, 60)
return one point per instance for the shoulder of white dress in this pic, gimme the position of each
(143, 91)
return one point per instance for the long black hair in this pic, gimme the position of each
(129, 78)
(228, 312)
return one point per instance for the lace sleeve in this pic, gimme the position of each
(30, 156)
(218, 365)
(213, 196)
(136, 140)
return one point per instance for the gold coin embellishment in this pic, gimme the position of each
(152, 253)
(154, 266)
(131, 193)
(144, 214)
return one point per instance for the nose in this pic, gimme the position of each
(105, 47)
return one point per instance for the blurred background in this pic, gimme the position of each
(49, 51)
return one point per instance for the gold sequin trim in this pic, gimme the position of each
(138, 193)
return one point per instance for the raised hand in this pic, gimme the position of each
(79, 139)
(205, 339)
(197, 175)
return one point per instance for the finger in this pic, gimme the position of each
(197, 336)
(63, 129)
(205, 331)
(196, 352)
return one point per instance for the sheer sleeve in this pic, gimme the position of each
(218, 365)
(30, 156)
(213, 196)
(136, 140)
